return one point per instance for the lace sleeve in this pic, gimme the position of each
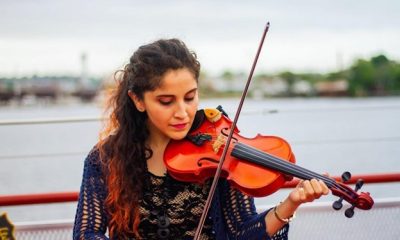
(90, 218)
(241, 218)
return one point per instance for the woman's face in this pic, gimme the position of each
(172, 106)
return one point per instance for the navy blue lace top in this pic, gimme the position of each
(232, 214)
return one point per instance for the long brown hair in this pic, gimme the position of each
(123, 149)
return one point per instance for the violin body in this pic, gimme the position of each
(256, 166)
(191, 162)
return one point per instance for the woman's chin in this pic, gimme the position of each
(178, 135)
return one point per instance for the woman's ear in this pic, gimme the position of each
(137, 101)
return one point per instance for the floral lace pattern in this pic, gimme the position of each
(181, 202)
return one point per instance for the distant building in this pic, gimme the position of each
(268, 87)
(302, 88)
(332, 88)
(235, 83)
(46, 87)
(6, 91)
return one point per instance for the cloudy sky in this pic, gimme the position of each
(48, 37)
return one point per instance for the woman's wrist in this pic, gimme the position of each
(286, 209)
(280, 215)
(282, 209)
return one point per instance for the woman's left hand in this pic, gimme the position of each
(308, 191)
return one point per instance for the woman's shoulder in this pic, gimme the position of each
(94, 155)
(93, 165)
(99, 152)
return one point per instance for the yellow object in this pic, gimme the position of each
(6, 228)
(212, 114)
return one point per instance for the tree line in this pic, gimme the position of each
(377, 76)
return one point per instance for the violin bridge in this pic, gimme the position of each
(218, 143)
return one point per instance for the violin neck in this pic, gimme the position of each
(260, 158)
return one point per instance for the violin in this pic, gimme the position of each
(256, 166)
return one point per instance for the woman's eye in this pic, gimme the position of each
(189, 99)
(165, 102)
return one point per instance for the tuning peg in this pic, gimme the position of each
(337, 205)
(349, 212)
(359, 184)
(346, 176)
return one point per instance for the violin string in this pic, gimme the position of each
(307, 174)
(290, 167)
(330, 182)
(282, 165)
(281, 162)
(271, 163)
(285, 166)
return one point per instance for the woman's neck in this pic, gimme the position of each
(155, 164)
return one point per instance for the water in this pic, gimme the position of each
(327, 135)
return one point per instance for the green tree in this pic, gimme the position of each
(228, 75)
(385, 74)
(361, 79)
(378, 76)
(289, 78)
(337, 75)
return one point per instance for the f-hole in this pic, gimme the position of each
(225, 132)
(201, 160)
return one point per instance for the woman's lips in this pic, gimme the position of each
(179, 126)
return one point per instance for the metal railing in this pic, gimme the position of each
(43, 198)
(314, 221)
(49, 121)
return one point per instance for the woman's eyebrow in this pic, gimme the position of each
(171, 95)
(165, 95)
(193, 90)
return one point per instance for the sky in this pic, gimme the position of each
(48, 37)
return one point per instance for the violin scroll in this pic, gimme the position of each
(362, 200)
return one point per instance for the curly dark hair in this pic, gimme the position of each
(123, 149)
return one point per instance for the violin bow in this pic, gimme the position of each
(228, 140)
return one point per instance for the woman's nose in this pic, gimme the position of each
(180, 111)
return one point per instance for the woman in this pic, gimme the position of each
(126, 188)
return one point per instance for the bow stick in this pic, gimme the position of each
(222, 158)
